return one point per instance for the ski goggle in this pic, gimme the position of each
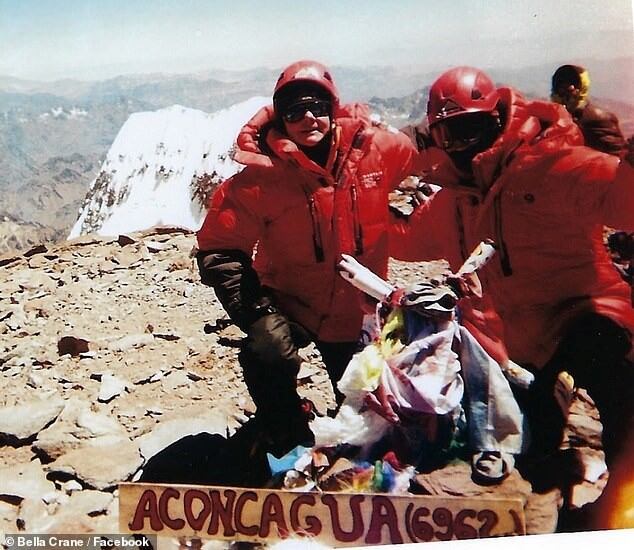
(460, 132)
(297, 111)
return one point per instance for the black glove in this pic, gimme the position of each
(621, 243)
(270, 339)
(275, 330)
(236, 284)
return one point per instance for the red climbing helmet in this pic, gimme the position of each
(309, 73)
(461, 90)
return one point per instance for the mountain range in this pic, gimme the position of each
(55, 136)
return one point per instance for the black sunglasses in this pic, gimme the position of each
(298, 111)
(460, 132)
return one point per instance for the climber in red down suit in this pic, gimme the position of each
(516, 171)
(315, 185)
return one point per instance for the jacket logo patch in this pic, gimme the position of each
(371, 179)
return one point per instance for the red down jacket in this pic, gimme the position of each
(303, 216)
(543, 198)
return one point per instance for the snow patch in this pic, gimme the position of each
(63, 114)
(160, 168)
(76, 112)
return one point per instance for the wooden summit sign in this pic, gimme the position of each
(337, 519)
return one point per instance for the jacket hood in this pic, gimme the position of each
(532, 128)
(260, 143)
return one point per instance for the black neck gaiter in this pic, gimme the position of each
(318, 153)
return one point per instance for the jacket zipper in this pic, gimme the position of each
(461, 233)
(341, 160)
(318, 245)
(314, 214)
(356, 143)
(505, 260)
(358, 230)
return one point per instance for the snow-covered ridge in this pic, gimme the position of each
(161, 168)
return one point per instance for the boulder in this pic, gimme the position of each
(20, 423)
(25, 481)
(76, 426)
(100, 466)
(111, 387)
(170, 430)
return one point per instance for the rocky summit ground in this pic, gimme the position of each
(111, 350)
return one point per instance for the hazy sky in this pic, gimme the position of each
(94, 39)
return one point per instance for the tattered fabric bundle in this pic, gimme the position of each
(422, 364)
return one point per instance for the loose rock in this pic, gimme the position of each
(100, 466)
(25, 481)
(72, 345)
(20, 423)
(168, 431)
(111, 387)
